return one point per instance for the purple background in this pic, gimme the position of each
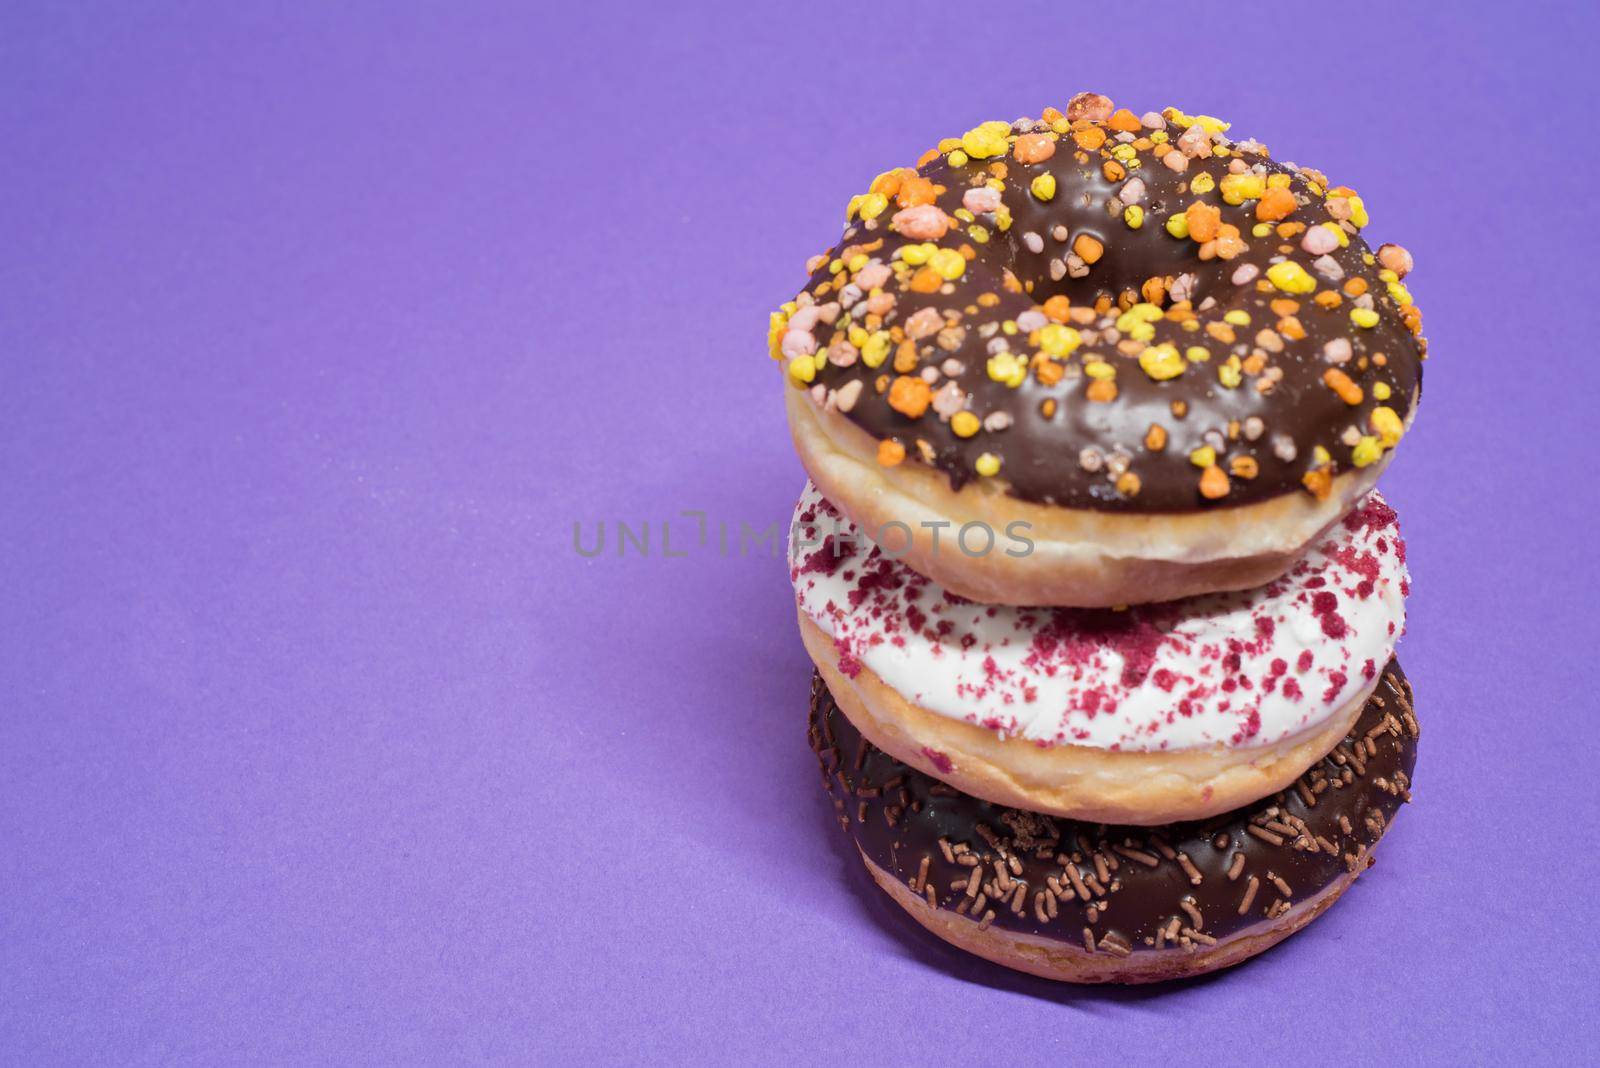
(319, 330)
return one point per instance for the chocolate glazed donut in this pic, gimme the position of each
(1095, 903)
(1172, 359)
(1077, 244)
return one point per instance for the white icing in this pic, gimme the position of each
(1152, 677)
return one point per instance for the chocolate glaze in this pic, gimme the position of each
(1125, 886)
(1040, 454)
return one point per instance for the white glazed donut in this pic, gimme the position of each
(1148, 715)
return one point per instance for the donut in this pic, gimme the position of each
(1147, 715)
(1092, 903)
(1162, 359)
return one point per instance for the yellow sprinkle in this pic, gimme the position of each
(1124, 153)
(876, 350)
(988, 465)
(1009, 327)
(1277, 181)
(1058, 340)
(1099, 370)
(1197, 353)
(1002, 219)
(1365, 318)
(1381, 390)
(1320, 457)
(965, 424)
(1238, 188)
(1143, 312)
(1386, 421)
(986, 140)
(1205, 122)
(1290, 277)
(1044, 186)
(1260, 229)
(1162, 362)
(858, 261)
(1133, 215)
(1228, 372)
(1367, 451)
(917, 255)
(1004, 367)
(1202, 183)
(949, 264)
(802, 369)
(1358, 212)
(1401, 295)
(958, 158)
(980, 234)
(857, 335)
(1237, 317)
(1204, 456)
(777, 326)
(835, 266)
(1178, 226)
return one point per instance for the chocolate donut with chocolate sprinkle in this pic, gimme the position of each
(1094, 903)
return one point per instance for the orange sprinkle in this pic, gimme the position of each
(926, 280)
(1213, 483)
(1058, 307)
(1034, 148)
(888, 183)
(1205, 221)
(1088, 248)
(890, 452)
(1275, 204)
(1342, 384)
(905, 357)
(1089, 138)
(1114, 171)
(910, 396)
(1124, 121)
(1319, 482)
(915, 190)
(1101, 389)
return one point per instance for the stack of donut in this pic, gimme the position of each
(1102, 599)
